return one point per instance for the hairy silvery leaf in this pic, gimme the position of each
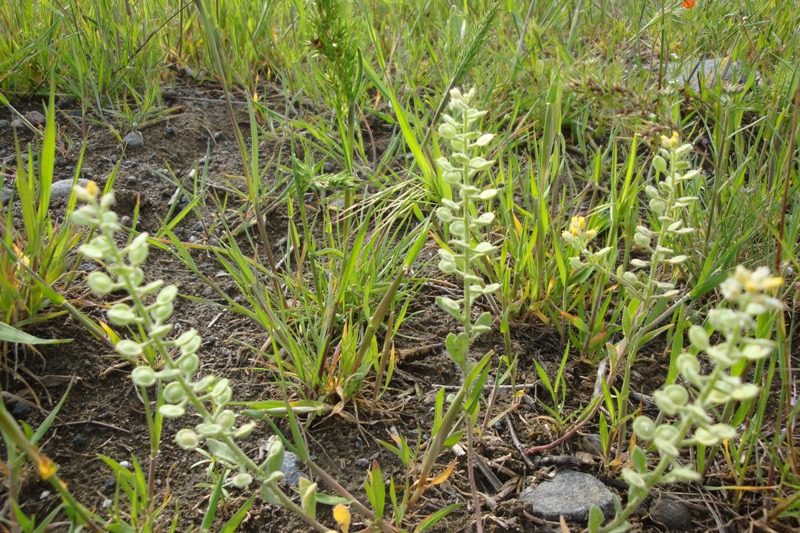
(274, 460)
(308, 496)
(220, 450)
(660, 164)
(458, 347)
(244, 430)
(681, 474)
(639, 460)
(633, 478)
(450, 306)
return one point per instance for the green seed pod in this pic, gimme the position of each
(174, 393)
(143, 376)
(189, 364)
(242, 480)
(187, 439)
(100, 283)
(128, 348)
(226, 419)
(171, 411)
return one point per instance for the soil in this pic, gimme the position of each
(103, 413)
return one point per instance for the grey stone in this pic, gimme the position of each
(17, 123)
(571, 495)
(5, 195)
(36, 118)
(671, 514)
(63, 188)
(291, 468)
(134, 139)
(4, 124)
(709, 70)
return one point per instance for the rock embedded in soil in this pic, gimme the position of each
(291, 469)
(569, 494)
(134, 139)
(36, 118)
(5, 195)
(63, 188)
(671, 514)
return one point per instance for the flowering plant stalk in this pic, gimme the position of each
(181, 384)
(749, 292)
(649, 282)
(464, 224)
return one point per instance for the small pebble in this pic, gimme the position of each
(218, 136)
(45, 494)
(79, 441)
(126, 221)
(170, 131)
(36, 118)
(125, 464)
(63, 188)
(671, 514)
(110, 483)
(21, 411)
(4, 124)
(133, 139)
(362, 462)
(17, 123)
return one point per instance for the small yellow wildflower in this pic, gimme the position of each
(671, 142)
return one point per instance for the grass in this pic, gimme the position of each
(578, 95)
